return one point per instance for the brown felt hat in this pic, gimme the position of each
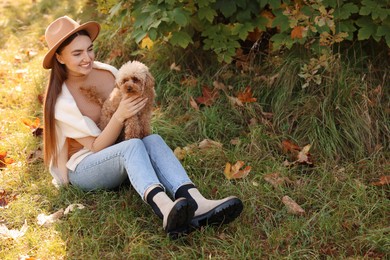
(59, 30)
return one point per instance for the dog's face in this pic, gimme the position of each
(131, 85)
(133, 77)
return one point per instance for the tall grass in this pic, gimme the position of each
(346, 119)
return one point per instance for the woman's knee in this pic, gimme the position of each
(152, 138)
(132, 144)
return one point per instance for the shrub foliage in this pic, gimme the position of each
(221, 26)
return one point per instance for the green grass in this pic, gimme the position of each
(345, 215)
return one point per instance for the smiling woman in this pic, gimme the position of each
(79, 153)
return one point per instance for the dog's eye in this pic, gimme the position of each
(135, 80)
(124, 81)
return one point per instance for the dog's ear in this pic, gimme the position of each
(149, 80)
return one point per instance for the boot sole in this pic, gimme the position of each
(222, 214)
(179, 219)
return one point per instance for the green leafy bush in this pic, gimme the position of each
(221, 26)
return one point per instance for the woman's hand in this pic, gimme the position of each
(129, 107)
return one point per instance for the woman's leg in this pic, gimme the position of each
(172, 174)
(108, 168)
(168, 168)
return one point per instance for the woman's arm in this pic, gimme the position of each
(127, 108)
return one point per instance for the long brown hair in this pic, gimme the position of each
(58, 75)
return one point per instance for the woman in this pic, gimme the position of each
(78, 152)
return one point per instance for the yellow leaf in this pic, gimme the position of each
(234, 172)
(146, 43)
(227, 171)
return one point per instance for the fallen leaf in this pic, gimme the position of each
(189, 81)
(32, 53)
(209, 96)
(35, 156)
(72, 207)
(175, 67)
(383, 180)
(292, 206)
(235, 141)
(5, 233)
(41, 98)
(6, 198)
(207, 144)
(219, 85)
(289, 146)
(234, 172)
(246, 96)
(26, 257)
(4, 160)
(47, 220)
(193, 104)
(181, 153)
(275, 179)
(297, 154)
(304, 155)
(234, 101)
(34, 125)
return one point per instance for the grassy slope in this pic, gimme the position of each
(345, 215)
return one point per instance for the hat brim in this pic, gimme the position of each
(93, 29)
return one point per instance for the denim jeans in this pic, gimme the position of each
(145, 162)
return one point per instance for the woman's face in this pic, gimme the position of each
(78, 56)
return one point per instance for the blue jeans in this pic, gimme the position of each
(145, 162)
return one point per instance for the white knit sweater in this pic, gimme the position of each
(70, 123)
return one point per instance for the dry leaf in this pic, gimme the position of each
(209, 96)
(234, 172)
(298, 155)
(27, 257)
(297, 32)
(219, 85)
(193, 104)
(181, 153)
(5, 233)
(34, 125)
(4, 160)
(207, 144)
(47, 220)
(289, 146)
(6, 198)
(189, 81)
(72, 207)
(35, 155)
(383, 180)
(304, 155)
(246, 96)
(235, 141)
(234, 101)
(175, 67)
(275, 179)
(292, 206)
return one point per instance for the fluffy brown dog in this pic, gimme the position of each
(133, 78)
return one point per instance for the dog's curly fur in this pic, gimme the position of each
(133, 78)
